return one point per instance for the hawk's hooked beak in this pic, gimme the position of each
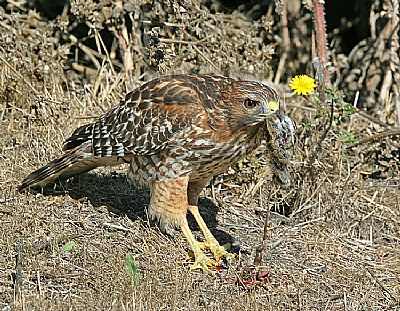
(273, 107)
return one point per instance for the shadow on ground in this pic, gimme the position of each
(114, 192)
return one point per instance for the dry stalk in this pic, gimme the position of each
(397, 106)
(19, 75)
(261, 247)
(285, 43)
(99, 41)
(17, 275)
(320, 64)
(126, 48)
(394, 55)
(375, 138)
(320, 32)
(92, 54)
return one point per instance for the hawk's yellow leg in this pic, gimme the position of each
(201, 260)
(210, 241)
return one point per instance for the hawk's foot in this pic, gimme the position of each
(211, 242)
(218, 251)
(202, 262)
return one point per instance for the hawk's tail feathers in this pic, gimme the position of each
(68, 165)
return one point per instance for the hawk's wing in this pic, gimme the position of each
(149, 117)
(144, 123)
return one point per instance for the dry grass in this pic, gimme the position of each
(334, 245)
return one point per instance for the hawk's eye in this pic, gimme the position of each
(250, 104)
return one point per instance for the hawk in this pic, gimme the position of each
(177, 132)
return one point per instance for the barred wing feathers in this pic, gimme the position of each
(143, 124)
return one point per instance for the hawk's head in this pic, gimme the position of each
(248, 103)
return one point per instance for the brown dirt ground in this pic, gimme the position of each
(333, 240)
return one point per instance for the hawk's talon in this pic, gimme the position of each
(204, 263)
(218, 251)
(230, 257)
(203, 245)
(222, 253)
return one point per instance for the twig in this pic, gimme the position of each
(394, 56)
(160, 23)
(353, 243)
(397, 105)
(118, 227)
(19, 75)
(306, 223)
(85, 70)
(281, 67)
(328, 126)
(125, 46)
(17, 275)
(92, 54)
(261, 179)
(38, 283)
(296, 106)
(380, 284)
(206, 58)
(285, 43)
(100, 40)
(202, 54)
(88, 51)
(166, 40)
(381, 207)
(260, 249)
(20, 6)
(374, 138)
(371, 118)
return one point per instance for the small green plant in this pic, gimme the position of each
(331, 119)
(132, 269)
(68, 246)
(348, 138)
(341, 114)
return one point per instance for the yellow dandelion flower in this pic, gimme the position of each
(302, 85)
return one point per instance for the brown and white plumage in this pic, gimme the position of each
(176, 132)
